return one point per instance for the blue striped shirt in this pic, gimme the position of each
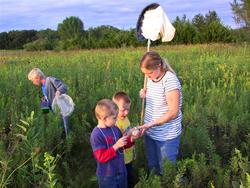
(156, 106)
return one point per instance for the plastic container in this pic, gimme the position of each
(44, 105)
(63, 104)
(136, 131)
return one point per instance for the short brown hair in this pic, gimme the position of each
(105, 108)
(121, 96)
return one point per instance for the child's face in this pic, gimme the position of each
(123, 109)
(110, 121)
(152, 74)
(37, 81)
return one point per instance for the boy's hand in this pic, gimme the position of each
(143, 93)
(120, 143)
(129, 132)
(58, 93)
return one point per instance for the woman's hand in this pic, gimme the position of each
(142, 93)
(145, 127)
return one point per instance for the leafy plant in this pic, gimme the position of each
(48, 169)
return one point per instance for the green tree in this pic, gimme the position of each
(241, 9)
(4, 40)
(106, 36)
(18, 38)
(48, 34)
(210, 29)
(47, 40)
(199, 22)
(38, 45)
(211, 16)
(185, 31)
(70, 32)
(216, 32)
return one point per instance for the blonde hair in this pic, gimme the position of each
(34, 73)
(105, 108)
(152, 60)
(121, 96)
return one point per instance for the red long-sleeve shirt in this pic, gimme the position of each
(105, 154)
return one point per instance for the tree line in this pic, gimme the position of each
(70, 34)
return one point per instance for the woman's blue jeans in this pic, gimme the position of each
(158, 151)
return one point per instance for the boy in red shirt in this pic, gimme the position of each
(107, 143)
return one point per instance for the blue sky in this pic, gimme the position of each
(42, 14)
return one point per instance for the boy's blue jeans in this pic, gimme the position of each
(157, 151)
(117, 181)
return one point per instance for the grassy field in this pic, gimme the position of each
(215, 143)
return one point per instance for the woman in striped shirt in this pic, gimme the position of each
(163, 116)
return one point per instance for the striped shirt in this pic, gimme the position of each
(156, 106)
